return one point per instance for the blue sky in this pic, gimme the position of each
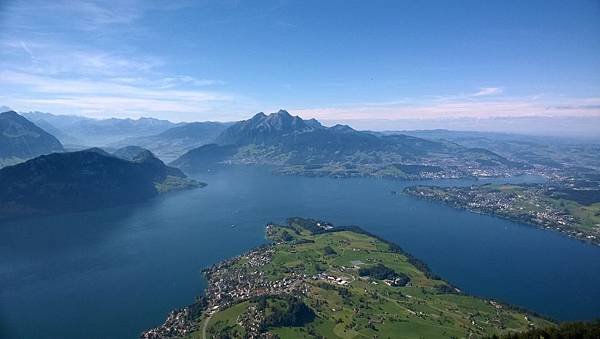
(333, 60)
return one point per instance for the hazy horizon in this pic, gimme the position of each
(366, 64)
(583, 128)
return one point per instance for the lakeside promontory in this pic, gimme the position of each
(86, 180)
(315, 280)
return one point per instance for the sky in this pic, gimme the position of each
(374, 62)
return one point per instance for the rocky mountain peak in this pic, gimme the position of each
(261, 128)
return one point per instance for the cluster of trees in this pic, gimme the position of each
(308, 224)
(576, 330)
(284, 311)
(342, 291)
(329, 251)
(285, 236)
(379, 271)
(445, 289)
(581, 196)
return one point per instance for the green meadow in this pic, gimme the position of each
(364, 307)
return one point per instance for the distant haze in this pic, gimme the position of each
(567, 127)
(329, 60)
(578, 127)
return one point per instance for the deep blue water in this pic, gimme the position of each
(113, 273)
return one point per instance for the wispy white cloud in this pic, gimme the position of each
(113, 97)
(27, 50)
(178, 80)
(485, 103)
(486, 91)
(75, 79)
(72, 79)
(458, 107)
(103, 13)
(84, 74)
(58, 58)
(49, 85)
(86, 15)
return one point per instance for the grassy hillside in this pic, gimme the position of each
(326, 283)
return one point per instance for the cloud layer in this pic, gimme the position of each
(461, 107)
(71, 79)
(90, 67)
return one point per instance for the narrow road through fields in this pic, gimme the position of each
(204, 327)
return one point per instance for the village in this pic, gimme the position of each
(243, 278)
(230, 282)
(529, 205)
(255, 295)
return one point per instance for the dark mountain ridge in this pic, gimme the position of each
(149, 161)
(100, 132)
(129, 152)
(20, 138)
(83, 180)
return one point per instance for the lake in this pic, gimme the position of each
(115, 272)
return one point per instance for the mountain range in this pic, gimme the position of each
(552, 152)
(289, 143)
(174, 142)
(84, 180)
(20, 139)
(77, 130)
(296, 146)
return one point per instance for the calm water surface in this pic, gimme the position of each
(115, 272)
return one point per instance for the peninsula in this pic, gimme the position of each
(314, 280)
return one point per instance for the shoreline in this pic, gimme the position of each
(579, 235)
(183, 321)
